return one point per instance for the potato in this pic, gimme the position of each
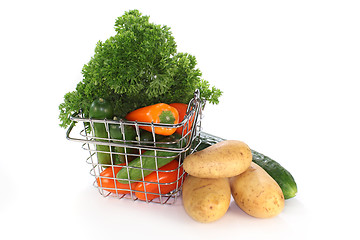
(257, 193)
(224, 159)
(206, 199)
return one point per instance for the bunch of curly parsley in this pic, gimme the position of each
(137, 67)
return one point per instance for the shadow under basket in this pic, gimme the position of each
(137, 164)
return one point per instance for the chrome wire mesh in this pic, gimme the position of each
(140, 149)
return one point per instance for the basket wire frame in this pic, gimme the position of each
(139, 148)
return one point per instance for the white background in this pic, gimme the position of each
(289, 73)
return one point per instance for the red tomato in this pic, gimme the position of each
(108, 182)
(153, 183)
(182, 107)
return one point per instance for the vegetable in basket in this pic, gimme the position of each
(150, 161)
(146, 136)
(101, 109)
(136, 168)
(107, 181)
(182, 108)
(159, 183)
(121, 132)
(137, 67)
(157, 113)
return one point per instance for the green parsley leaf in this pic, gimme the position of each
(137, 67)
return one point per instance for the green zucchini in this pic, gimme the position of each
(142, 166)
(282, 176)
(116, 133)
(146, 136)
(101, 109)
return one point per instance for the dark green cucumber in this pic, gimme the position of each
(136, 168)
(101, 109)
(282, 176)
(146, 136)
(116, 132)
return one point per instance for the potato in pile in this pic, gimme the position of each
(226, 169)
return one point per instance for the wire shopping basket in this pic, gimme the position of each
(145, 166)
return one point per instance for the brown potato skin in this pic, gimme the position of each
(205, 199)
(257, 193)
(224, 159)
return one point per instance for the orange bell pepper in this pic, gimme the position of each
(108, 182)
(157, 113)
(182, 107)
(152, 183)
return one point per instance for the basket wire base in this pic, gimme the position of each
(168, 199)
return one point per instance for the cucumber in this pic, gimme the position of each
(146, 136)
(137, 170)
(101, 109)
(282, 176)
(116, 132)
(142, 166)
